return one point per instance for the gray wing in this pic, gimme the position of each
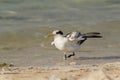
(80, 38)
(73, 35)
(76, 37)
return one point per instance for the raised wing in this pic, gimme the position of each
(74, 36)
(80, 38)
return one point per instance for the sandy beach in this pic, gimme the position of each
(108, 71)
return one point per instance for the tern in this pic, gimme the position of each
(70, 43)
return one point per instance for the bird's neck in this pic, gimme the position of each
(58, 36)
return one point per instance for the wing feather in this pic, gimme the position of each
(74, 36)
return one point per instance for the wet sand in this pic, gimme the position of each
(36, 63)
(37, 56)
(108, 71)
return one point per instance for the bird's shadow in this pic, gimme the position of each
(98, 58)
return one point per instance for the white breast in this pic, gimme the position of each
(62, 43)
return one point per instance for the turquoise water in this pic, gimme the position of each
(25, 23)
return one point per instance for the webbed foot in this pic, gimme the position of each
(69, 56)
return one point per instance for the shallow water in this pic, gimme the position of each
(25, 23)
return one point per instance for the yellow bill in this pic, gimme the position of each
(49, 35)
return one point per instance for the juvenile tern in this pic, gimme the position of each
(70, 42)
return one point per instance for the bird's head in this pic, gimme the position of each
(55, 32)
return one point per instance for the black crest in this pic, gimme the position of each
(59, 32)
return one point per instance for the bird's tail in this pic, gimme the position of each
(92, 35)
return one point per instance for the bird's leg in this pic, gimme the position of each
(68, 56)
(65, 56)
(71, 55)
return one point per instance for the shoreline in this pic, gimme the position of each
(108, 71)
